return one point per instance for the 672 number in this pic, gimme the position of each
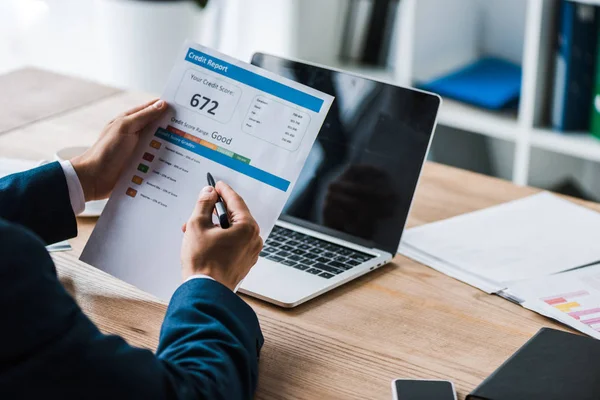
(196, 99)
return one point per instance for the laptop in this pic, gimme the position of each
(348, 209)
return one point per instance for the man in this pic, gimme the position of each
(210, 338)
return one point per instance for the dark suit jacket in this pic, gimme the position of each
(209, 341)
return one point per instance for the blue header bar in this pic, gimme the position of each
(256, 81)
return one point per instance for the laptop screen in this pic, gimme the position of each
(360, 177)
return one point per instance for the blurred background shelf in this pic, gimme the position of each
(384, 74)
(424, 39)
(591, 2)
(499, 125)
(577, 144)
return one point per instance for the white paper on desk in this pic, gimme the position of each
(248, 127)
(449, 269)
(535, 236)
(572, 298)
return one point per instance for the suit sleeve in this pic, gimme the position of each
(215, 335)
(208, 346)
(39, 200)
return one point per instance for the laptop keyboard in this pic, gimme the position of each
(309, 254)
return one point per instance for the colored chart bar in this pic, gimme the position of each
(204, 143)
(241, 158)
(244, 168)
(148, 157)
(579, 314)
(562, 298)
(176, 131)
(577, 293)
(225, 151)
(567, 306)
(592, 321)
(557, 300)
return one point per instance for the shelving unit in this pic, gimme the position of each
(592, 2)
(435, 37)
(439, 35)
(462, 116)
(576, 144)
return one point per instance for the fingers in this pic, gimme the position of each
(258, 246)
(138, 120)
(204, 207)
(133, 110)
(140, 107)
(236, 206)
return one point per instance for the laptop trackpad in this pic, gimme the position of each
(278, 283)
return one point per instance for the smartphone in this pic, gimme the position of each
(413, 389)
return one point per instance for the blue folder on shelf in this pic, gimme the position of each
(489, 82)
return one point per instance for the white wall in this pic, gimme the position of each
(102, 39)
(502, 27)
(306, 29)
(50, 33)
(318, 36)
(259, 25)
(434, 57)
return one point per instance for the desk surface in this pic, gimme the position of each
(403, 320)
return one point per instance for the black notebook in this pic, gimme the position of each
(552, 365)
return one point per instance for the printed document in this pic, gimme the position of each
(532, 237)
(572, 298)
(246, 126)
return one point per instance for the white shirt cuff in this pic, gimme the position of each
(75, 190)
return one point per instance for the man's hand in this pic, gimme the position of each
(226, 255)
(99, 168)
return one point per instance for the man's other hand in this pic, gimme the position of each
(99, 168)
(226, 255)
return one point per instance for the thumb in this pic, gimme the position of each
(204, 207)
(139, 119)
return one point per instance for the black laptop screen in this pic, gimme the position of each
(360, 177)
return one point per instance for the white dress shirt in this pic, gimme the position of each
(78, 199)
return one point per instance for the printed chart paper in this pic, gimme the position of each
(246, 126)
(572, 298)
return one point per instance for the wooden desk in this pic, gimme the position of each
(404, 320)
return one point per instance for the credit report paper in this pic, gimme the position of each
(246, 126)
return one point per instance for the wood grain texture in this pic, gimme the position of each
(30, 95)
(404, 320)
